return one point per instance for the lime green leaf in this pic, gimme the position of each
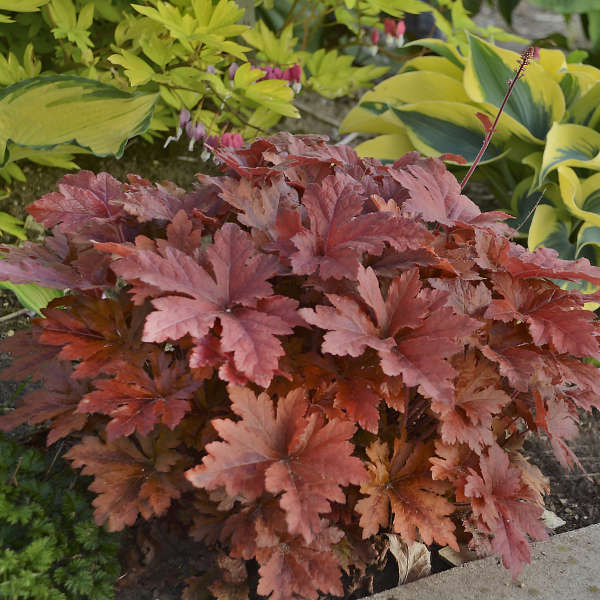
(386, 148)
(277, 49)
(571, 146)
(32, 296)
(397, 9)
(536, 101)
(138, 71)
(273, 94)
(332, 75)
(12, 225)
(45, 112)
(436, 128)
(22, 5)
(577, 56)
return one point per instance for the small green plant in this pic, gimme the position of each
(50, 548)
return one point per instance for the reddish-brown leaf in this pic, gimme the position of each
(101, 333)
(137, 402)
(82, 197)
(56, 401)
(234, 296)
(289, 452)
(403, 485)
(339, 233)
(127, 481)
(505, 507)
(477, 397)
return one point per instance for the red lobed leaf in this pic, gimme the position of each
(288, 452)
(505, 507)
(403, 484)
(127, 481)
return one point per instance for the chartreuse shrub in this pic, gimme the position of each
(91, 74)
(50, 548)
(303, 355)
(439, 103)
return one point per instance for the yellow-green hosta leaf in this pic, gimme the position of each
(436, 128)
(549, 230)
(406, 88)
(12, 71)
(442, 48)
(12, 225)
(387, 148)
(45, 112)
(434, 64)
(570, 146)
(582, 201)
(536, 101)
(32, 296)
(138, 71)
(552, 61)
(586, 109)
(589, 236)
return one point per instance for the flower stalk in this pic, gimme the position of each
(524, 60)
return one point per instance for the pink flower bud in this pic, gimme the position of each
(211, 69)
(286, 75)
(389, 26)
(400, 29)
(277, 74)
(233, 67)
(184, 117)
(296, 73)
(374, 37)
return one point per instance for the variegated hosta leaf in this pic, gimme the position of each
(45, 112)
(525, 200)
(570, 145)
(434, 64)
(386, 148)
(581, 198)
(550, 230)
(586, 109)
(436, 128)
(535, 103)
(406, 88)
(442, 48)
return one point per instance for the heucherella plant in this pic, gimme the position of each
(302, 356)
(439, 103)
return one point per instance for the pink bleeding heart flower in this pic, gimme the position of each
(195, 131)
(233, 67)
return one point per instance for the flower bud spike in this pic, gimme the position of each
(523, 61)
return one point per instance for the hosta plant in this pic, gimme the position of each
(438, 103)
(302, 354)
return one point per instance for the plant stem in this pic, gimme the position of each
(525, 57)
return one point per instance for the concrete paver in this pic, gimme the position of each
(567, 567)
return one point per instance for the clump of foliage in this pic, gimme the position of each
(438, 105)
(142, 63)
(50, 548)
(300, 354)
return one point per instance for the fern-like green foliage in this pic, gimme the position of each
(50, 548)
